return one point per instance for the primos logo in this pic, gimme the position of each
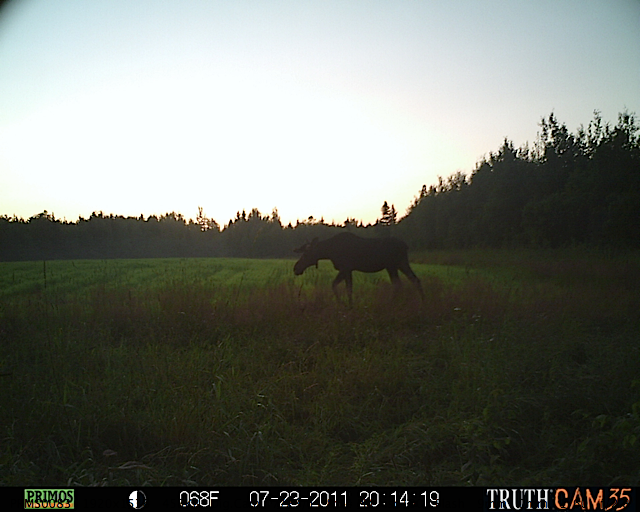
(49, 498)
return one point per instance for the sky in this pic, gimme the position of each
(316, 108)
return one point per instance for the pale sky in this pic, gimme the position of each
(323, 108)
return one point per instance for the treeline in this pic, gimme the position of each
(252, 235)
(567, 189)
(581, 188)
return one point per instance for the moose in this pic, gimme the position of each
(349, 252)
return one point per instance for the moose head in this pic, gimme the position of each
(310, 256)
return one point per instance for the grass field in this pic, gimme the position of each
(519, 368)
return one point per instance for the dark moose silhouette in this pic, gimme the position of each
(349, 252)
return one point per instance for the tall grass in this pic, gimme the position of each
(231, 372)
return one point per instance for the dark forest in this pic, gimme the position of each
(568, 189)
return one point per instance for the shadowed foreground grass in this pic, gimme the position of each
(521, 371)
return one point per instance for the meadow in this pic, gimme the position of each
(519, 368)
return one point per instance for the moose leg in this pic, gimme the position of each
(349, 282)
(406, 270)
(343, 276)
(395, 280)
(339, 278)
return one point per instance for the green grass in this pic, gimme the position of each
(517, 369)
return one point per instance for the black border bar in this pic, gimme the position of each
(619, 498)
